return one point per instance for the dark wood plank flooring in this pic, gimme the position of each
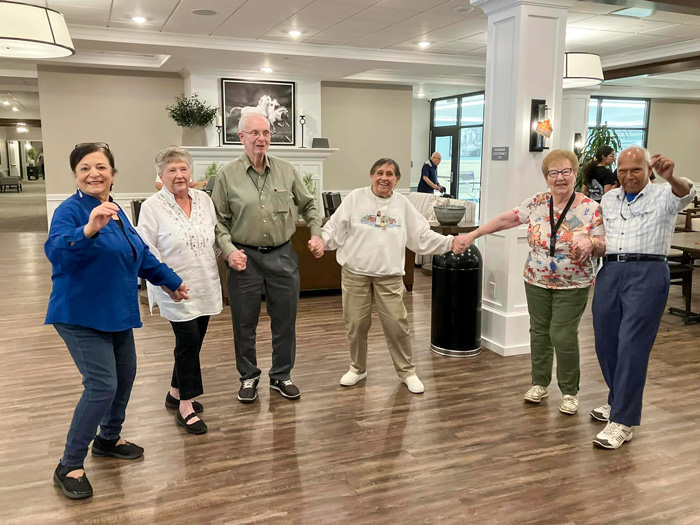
(467, 451)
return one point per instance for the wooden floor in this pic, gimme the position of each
(467, 451)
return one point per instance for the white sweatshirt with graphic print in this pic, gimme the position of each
(371, 234)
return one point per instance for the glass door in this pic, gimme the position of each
(446, 142)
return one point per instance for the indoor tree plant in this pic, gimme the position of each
(598, 136)
(192, 115)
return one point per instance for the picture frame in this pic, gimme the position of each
(276, 100)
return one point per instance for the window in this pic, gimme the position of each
(627, 116)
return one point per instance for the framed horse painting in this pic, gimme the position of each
(272, 99)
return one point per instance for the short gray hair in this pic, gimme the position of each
(244, 119)
(172, 154)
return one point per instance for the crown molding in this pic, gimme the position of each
(129, 36)
(665, 52)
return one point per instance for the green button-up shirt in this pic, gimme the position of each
(256, 209)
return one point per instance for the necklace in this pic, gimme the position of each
(383, 218)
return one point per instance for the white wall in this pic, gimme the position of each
(367, 122)
(308, 97)
(3, 148)
(674, 131)
(420, 138)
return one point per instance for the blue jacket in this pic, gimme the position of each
(429, 170)
(95, 279)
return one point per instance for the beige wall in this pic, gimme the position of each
(125, 109)
(674, 131)
(33, 134)
(366, 122)
(421, 135)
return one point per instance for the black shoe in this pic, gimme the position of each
(198, 427)
(249, 390)
(285, 387)
(110, 449)
(172, 403)
(73, 488)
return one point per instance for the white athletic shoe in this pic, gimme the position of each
(536, 394)
(569, 404)
(613, 435)
(414, 384)
(601, 413)
(351, 378)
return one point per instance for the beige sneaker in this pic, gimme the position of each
(601, 413)
(536, 394)
(351, 378)
(569, 404)
(414, 384)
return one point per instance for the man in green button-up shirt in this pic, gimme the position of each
(254, 195)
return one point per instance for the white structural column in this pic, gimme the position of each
(524, 61)
(574, 116)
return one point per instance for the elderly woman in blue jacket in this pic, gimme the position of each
(96, 257)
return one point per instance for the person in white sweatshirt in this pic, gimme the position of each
(370, 231)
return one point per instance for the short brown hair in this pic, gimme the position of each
(558, 154)
(383, 161)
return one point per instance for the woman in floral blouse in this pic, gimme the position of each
(558, 272)
(178, 224)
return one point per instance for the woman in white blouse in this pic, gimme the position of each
(178, 224)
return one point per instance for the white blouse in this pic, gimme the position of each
(188, 246)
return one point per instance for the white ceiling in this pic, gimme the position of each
(360, 40)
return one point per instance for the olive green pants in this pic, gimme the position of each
(554, 320)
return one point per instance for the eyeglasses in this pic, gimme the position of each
(255, 133)
(553, 174)
(96, 144)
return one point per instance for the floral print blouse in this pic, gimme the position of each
(560, 271)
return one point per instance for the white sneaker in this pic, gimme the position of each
(351, 378)
(536, 394)
(568, 405)
(414, 384)
(613, 435)
(601, 413)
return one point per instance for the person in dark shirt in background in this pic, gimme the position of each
(598, 179)
(428, 177)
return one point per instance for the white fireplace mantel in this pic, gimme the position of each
(304, 160)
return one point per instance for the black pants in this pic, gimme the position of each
(187, 374)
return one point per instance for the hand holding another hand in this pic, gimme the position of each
(178, 295)
(238, 260)
(316, 246)
(582, 249)
(461, 243)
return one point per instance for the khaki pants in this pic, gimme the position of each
(358, 292)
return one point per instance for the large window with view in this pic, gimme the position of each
(456, 131)
(629, 117)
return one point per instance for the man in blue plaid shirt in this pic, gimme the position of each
(632, 287)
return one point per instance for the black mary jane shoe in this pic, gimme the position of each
(73, 488)
(174, 404)
(198, 427)
(109, 449)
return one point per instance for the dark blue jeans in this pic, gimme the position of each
(629, 301)
(107, 362)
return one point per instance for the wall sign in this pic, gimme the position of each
(500, 153)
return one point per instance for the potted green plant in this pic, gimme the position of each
(192, 115)
(311, 185)
(599, 136)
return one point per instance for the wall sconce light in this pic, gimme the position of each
(540, 126)
(578, 143)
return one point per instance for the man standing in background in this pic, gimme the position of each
(428, 178)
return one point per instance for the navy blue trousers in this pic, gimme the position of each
(628, 303)
(107, 362)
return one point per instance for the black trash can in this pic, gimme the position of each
(456, 306)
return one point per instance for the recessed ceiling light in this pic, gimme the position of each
(420, 95)
(266, 69)
(423, 44)
(636, 12)
(464, 8)
(5, 103)
(294, 33)
(15, 109)
(138, 19)
(204, 12)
